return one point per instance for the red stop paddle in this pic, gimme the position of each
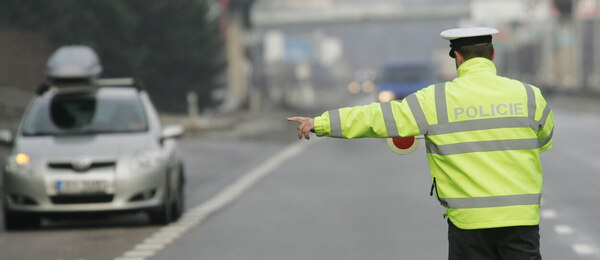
(403, 145)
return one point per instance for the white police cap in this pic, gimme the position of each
(467, 36)
(452, 34)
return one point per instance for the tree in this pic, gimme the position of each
(194, 60)
(169, 45)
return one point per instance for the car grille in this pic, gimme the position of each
(81, 199)
(69, 166)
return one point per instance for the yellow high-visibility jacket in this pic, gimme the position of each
(483, 135)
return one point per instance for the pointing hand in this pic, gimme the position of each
(306, 126)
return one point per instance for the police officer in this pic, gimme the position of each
(483, 133)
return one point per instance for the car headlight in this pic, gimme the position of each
(368, 86)
(386, 96)
(19, 164)
(353, 87)
(144, 160)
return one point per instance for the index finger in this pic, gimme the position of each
(295, 118)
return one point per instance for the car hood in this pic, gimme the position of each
(95, 146)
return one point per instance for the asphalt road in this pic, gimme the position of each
(265, 195)
(354, 199)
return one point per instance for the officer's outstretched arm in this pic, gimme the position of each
(381, 120)
(352, 122)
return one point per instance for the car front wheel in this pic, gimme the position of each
(163, 214)
(179, 203)
(172, 207)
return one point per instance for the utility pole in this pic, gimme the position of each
(235, 24)
(595, 77)
(568, 54)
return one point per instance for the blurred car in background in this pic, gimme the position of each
(399, 79)
(88, 145)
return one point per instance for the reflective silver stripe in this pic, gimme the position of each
(479, 124)
(418, 113)
(495, 201)
(388, 118)
(530, 104)
(482, 146)
(335, 123)
(440, 103)
(547, 139)
(544, 117)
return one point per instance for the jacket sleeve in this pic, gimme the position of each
(545, 131)
(544, 119)
(386, 119)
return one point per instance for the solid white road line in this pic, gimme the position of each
(194, 216)
(149, 247)
(139, 253)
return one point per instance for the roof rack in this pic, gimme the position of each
(115, 82)
(71, 86)
(119, 82)
(84, 85)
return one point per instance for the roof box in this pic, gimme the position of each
(73, 62)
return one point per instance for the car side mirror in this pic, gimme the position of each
(172, 131)
(6, 137)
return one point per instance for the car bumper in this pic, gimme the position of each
(124, 192)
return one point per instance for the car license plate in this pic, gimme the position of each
(81, 186)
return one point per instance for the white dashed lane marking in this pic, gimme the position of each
(579, 248)
(548, 214)
(583, 249)
(563, 229)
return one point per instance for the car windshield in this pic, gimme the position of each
(81, 114)
(406, 74)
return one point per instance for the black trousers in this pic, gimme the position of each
(507, 243)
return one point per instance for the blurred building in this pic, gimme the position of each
(554, 44)
(300, 47)
(336, 42)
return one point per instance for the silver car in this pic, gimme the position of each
(92, 149)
